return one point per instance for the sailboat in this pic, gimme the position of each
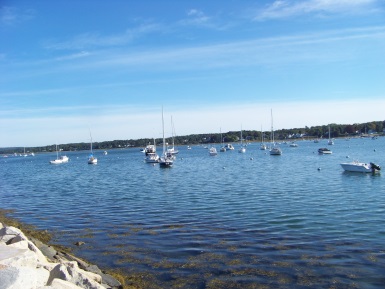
(222, 149)
(59, 160)
(172, 150)
(263, 145)
(274, 150)
(242, 149)
(330, 141)
(91, 159)
(166, 160)
(213, 151)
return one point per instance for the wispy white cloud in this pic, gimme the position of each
(96, 40)
(291, 8)
(196, 17)
(12, 15)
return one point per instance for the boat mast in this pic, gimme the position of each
(272, 129)
(164, 145)
(91, 142)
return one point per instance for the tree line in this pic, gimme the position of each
(336, 130)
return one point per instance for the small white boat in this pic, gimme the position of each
(358, 167)
(293, 144)
(59, 160)
(213, 151)
(324, 151)
(91, 159)
(229, 147)
(105, 153)
(151, 155)
(188, 147)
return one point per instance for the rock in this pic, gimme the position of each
(72, 273)
(23, 265)
(48, 251)
(82, 264)
(23, 277)
(110, 281)
(19, 268)
(79, 243)
(8, 233)
(61, 284)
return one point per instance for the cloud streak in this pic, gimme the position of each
(281, 9)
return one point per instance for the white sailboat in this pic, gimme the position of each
(222, 149)
(172, 150)
(274, 150)
(242, 149)
(263, 145)
(59, 160)
(166, 160)
(91, 159)
(213, 151)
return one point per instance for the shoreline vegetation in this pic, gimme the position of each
(53, 261)
(373, 128)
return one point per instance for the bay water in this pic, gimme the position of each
(231, 221)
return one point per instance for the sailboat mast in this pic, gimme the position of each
(164, 145)
(272, 128)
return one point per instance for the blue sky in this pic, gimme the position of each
(68, 67)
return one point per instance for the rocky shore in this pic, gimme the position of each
(27, 263)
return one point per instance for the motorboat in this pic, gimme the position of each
(359, 167)
(213, 151)
(293, 144)
(324, 151)
(151, 156)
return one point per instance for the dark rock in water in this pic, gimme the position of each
(79, 243)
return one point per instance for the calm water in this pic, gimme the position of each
(231, 221)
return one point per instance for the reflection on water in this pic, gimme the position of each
(231, 221)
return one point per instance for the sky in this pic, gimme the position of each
(69, 68)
